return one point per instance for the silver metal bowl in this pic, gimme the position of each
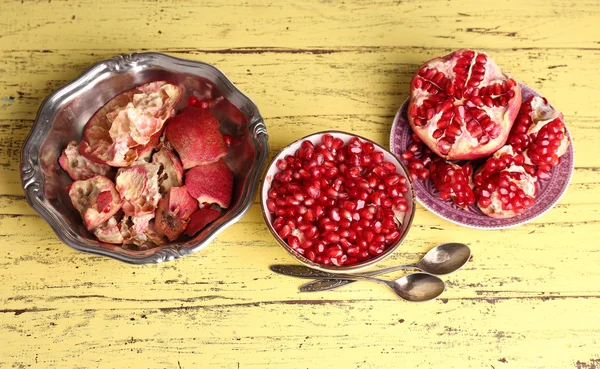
(64, 113)
(315, 138)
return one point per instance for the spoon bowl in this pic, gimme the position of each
(445, 259)
(418, 287)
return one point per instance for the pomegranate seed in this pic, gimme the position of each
(335, 251)
(192, 101)
(271, 205)
(294, 242)
(376, 249)
(228, 140)
(285, 231)
(311, 232)
(400, 205)
(339, 260)
(368, 147)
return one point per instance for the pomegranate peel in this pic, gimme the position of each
(173, 212)
(109, 232)
(210, 183)
(138, 230)
(139, 189)
(79, 167)
(127, 122)
(144, 152)
(170, 172)
(200, 219)
(195, 136)
(96, 199)
(462, 106)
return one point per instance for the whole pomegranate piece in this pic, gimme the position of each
(462, 105)
(503, 187)
(539, 132)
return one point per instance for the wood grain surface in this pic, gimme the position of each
(529, 298)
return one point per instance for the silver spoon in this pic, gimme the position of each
(415, 287)
(440, 260)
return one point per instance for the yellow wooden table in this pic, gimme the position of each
(530, 298)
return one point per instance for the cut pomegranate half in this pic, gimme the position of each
(540, 133)
(503, 187)
(462, 106)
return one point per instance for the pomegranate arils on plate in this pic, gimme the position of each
(454, 182)
(462, 105)
(329, 201)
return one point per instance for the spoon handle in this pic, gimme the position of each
(300, 271)
(330, 284)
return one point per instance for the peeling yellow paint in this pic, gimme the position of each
(530, 298)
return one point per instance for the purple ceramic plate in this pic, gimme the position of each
(549, 191)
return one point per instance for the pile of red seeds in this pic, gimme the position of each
(337, 204)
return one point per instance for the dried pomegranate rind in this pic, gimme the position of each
(96, 199)
(195, 136)
(462, 105)
(129, 120)
(210, 183)
(138, 187)
(200, 219)
(170, 172)
(79, 167)
(144, 152)
(173, 212)
(138, 230)
(109, 232)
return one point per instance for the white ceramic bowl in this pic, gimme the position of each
(316, 139)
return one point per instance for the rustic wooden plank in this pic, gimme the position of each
(527, 299)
